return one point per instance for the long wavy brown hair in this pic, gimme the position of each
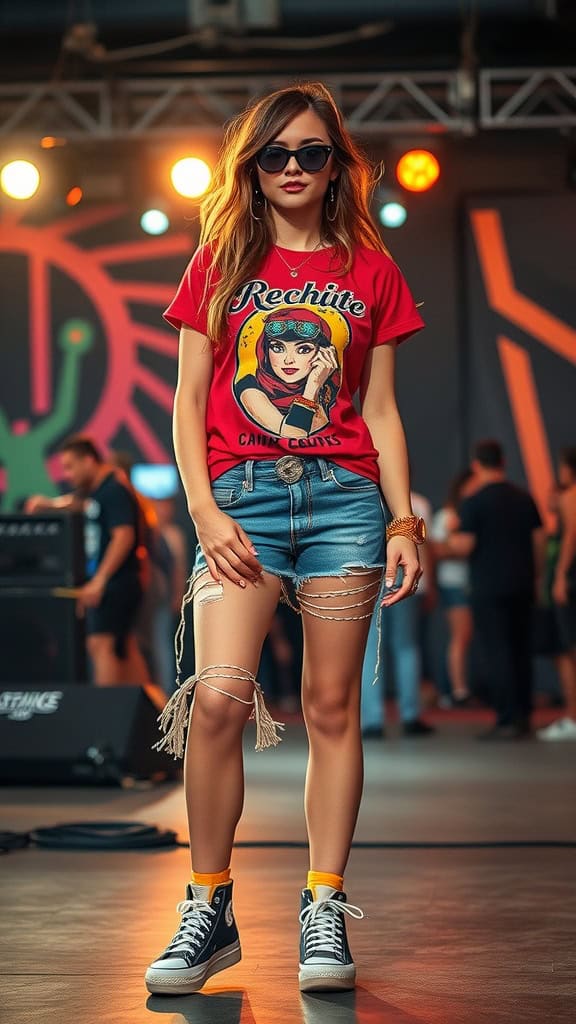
(238, 241)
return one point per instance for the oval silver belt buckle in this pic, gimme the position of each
(289, 468)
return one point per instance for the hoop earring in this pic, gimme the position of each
(261, 201)
(332, 198)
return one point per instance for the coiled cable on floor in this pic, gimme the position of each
(103, 835)
(136, 835)
(13, 841)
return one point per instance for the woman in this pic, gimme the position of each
(286, 228)
(296, 359)
(452, 578)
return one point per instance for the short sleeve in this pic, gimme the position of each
(120, 508)
(395, 315)
(190, 303)
(468, 516)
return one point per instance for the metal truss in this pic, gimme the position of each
(528, 98)
(373, 104)
(138, 108)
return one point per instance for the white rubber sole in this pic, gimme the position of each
(324, 978)
(185, 980)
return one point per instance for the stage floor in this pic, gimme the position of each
(451, 936)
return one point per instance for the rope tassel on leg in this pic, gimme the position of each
(174, 718)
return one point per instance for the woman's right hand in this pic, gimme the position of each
(228, 550)
(323, 365)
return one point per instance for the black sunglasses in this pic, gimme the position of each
(273, 159)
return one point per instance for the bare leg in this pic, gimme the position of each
(228, 631)
(332, 672)
(566, 668)
(106, 664)
(460, 625)
(133, 667)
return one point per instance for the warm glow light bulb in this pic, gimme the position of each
(19, 179)
(191, 177)
(418, 170)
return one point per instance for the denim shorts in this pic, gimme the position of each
(454, 597)
(306, 517)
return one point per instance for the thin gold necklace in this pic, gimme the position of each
(294, 270)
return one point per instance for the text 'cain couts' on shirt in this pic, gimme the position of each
(285, 374)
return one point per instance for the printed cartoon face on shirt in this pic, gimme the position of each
(290, 368)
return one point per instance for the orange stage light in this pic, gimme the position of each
(51, 141)
(74, 196)
(418, 170)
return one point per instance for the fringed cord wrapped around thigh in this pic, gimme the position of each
(174, 717)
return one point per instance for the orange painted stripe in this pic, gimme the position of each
(150, 249)
(530, 428)
(41, 361)
(145, 292)
(502, 293)
(145, 438)
(156, 388)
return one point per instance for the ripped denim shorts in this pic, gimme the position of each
(306, 517)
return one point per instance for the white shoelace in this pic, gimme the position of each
(323, 925)
(194, 925)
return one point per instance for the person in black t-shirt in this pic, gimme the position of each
(501, 533)
(116, 560)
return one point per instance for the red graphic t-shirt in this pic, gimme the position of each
(292, 359)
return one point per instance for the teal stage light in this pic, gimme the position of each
(393, 215)
(154, 222)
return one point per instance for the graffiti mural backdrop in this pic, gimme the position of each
(83, 346)
(521, 379)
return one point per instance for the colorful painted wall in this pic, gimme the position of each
(83, 345)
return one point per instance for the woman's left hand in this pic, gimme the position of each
(401, 553)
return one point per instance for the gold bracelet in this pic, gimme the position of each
(412, 527)
(306, 403)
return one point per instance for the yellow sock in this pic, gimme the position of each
(324, 878)
(213, 879)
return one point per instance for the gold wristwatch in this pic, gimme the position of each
(412, 527)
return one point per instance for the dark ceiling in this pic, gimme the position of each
(32, 34)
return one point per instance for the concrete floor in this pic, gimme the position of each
(451, 936)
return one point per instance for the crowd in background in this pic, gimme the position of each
(499, 590)
(498, 587)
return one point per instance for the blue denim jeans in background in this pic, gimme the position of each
(399, 638)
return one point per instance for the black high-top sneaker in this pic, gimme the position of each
(325, 960)
(206, 942)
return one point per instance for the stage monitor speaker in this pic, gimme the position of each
(83, 735)
(41, 638)
(43, 550)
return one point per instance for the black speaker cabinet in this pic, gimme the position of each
(80, 735)
(41, 638)
(43, 550)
